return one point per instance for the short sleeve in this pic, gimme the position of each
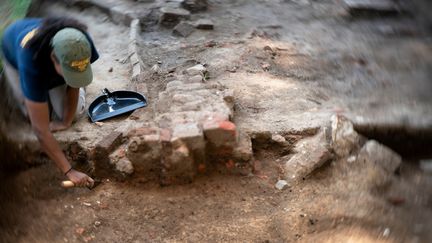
(31, 86)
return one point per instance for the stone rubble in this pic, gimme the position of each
(195, 5)
(192, 127)
(198, 69)
(172, 16)
(183, 29)
(344, 138)
(379, 155)
(281, 184)
(279, 139)
(377, 164)
(204, 24)
(372, 165)
(310, 154)
(356, 7)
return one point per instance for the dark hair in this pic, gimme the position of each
(41, 42)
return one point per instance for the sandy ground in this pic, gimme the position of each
(292, 64)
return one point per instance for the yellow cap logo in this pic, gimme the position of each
(80, 65)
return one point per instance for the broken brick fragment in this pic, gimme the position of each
(100, 153)
(220, 133)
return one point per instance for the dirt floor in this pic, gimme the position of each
(292, 64)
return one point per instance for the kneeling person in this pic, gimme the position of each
(47, 63)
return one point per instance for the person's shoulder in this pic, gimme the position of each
(23, 23)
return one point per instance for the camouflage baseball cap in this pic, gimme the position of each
(73, 51)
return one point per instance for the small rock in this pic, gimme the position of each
(194, 79)
(171, 200)
(386, 232)
(380, 155)
(172, 16)
(110, 69)
(344, 138)
(156, 69)
(99, 124)
(378, 164)
(80, 230)
(351, 159)
(97, 223)
(124, 166)
(204, 24)
(183, 29)
(311, 154)
(265, 66)
(196, 70)
(278, 139)
(281, 184)
(195, 5)
(86, 204)
(268, 48)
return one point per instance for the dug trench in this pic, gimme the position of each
(340, 196)
(332, 203)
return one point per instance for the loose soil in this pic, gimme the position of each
(290, 73)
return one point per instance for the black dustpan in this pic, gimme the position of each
(116, 103)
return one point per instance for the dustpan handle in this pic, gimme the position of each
(106, 92)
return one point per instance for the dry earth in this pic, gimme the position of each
(292, 64)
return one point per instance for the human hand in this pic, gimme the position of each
(80, 179)
(58, 126)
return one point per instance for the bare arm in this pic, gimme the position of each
(39, 117)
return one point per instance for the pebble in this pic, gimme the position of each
(79, 230)
(204, 24)
(278, 138)
(386, 232)
(86, 204)
(351, 159)
(268, 48)
(265, 66)
(183, 29)
(281, 184)
(198, 69)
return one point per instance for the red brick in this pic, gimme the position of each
(220, 133)
(191, 134)
(110, 142)
(142, 131)
(165, 135)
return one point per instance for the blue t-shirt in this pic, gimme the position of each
(36, 78)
